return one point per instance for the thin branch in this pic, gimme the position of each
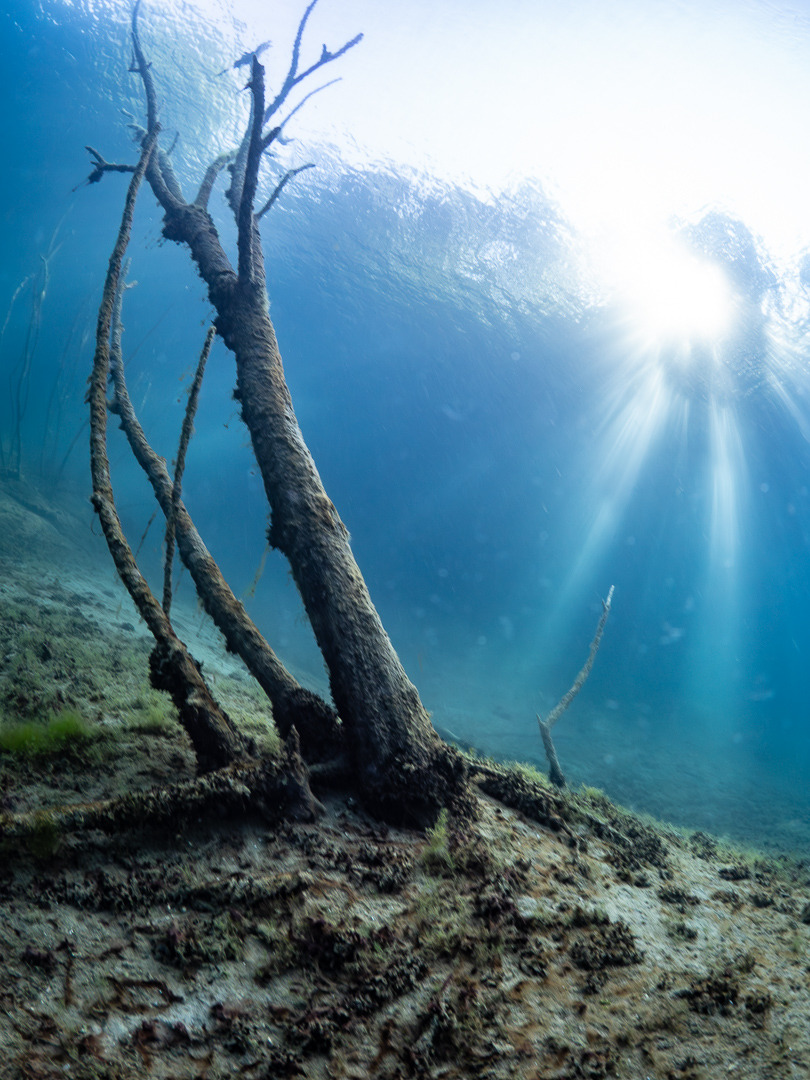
(327, 57)
(215, 741)
(180, 464)
(293, 77)
(101, 166)
(280, 187)
(555, 772)
(291, 74)
(211, 174)
(102, 486)
(276, 132)
(17, 292)
(143, 69)
(160, 173)
(579, 682)
(19, 382)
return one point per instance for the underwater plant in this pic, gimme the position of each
(63, 732)
(378, 737)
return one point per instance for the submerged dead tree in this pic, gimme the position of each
(555, 773)
(379, 732)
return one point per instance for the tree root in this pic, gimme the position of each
(275, 789)
(515, 791)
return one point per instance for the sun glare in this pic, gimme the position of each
(669, 295)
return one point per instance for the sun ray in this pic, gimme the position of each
(727, 465)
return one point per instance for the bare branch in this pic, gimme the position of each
(327, 57)
(579, 682)
(140, 66)
(293, 76)
(275, 133)
(249, 249)
(210, 178)
(293, 70)
(160, 174)
(280, 187)
(243, 169)
(180, 464)
(555, 772)
(101, 166)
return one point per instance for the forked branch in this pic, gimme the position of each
(102, 166)
(276, 132)
(245, 170)
(294, 77)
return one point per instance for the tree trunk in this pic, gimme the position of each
(212, 734)
(400, 767)
(316, 722)
(403, 769)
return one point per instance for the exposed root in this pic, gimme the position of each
(275, 788)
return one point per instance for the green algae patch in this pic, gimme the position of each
(64, 732)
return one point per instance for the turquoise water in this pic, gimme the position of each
(504, 436)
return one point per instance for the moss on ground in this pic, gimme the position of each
(64, 732)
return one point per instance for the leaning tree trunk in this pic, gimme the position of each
(403, 767)
(400, 766)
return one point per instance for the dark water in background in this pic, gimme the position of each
(498, 459)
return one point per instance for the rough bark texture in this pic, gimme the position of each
(555, 773)
(402, 769)
(274, 789)
(215, 741)
(293, 705)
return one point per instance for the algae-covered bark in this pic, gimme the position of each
(173, 669)
(401, 767)
(405, 769)
(276, 789)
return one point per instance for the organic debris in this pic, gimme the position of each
(558, 936)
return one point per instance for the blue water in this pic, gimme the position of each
(499, 447)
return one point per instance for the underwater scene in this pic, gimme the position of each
(540, 280)
(558, 354)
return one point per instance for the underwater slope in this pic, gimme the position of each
(554, 937)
